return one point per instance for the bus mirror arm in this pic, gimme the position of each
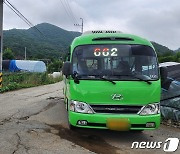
(66, 70)
(165, 81)
(75, 77)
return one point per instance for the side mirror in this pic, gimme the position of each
(66, 70)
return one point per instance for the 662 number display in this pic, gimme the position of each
(105, 52)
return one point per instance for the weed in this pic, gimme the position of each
(13, 81)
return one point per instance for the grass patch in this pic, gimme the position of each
(15, 81)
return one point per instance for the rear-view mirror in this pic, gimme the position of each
(66, 70)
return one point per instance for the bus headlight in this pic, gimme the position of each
(80, 107)
(150, 109)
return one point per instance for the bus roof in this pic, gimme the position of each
(108, 37)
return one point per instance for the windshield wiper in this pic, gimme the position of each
(148, 82)
(134, 76)
(106, 79)
(76, 78)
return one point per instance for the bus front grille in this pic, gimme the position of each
(117, 109)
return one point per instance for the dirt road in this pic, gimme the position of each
(34, 121)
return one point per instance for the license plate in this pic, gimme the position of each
(118, 124)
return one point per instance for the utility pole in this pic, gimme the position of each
(82, 25)
(25, 53)
(1, 39)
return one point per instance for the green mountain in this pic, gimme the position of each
(178, 50)
(160, 49)
(52, 43)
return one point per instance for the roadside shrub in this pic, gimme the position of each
(55, 66)
(13, 81)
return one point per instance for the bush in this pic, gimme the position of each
(8, 54)
(169, 57)
(55, 66)
(14, 81)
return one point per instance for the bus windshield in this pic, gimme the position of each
(117, 62)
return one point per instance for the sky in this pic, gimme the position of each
(155, 20)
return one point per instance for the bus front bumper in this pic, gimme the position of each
(100, 121)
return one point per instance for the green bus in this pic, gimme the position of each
(112, 81)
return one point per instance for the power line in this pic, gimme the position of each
(70, 10)
(22, 16)
(66, 10)
(19, 14)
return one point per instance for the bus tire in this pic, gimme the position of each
(71, 127)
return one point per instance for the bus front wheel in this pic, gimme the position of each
(71, 127)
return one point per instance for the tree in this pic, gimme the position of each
(8, 54)
(55, 66)
(177, 57)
